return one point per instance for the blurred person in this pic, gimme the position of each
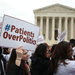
(72, 41)
(62, 63)
(18, 64)
(53, 47)
(2, 63)
(6, 53)
(40, 60)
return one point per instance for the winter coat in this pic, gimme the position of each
(16, 70)
(2, 65)
(39, 65)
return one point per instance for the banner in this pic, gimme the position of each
(16, 32)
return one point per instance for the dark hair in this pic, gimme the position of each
(0, 50)
(53, 47)
(11, 63)
(41, 50)
(1, 56)
(5, 50)
(12, 59)
(61, 53)
(72, 41)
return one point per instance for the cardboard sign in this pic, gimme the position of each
(40, 39)
(16, 32)
(61, 36)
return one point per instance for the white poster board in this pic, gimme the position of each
(16, 32)
(0, 28)
(40, 39)
(61, 36)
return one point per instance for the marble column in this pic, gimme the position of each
(41, 25)
(60, 25)
(66, 28)
(72, 22)
(53, 28)
(47, 28)
(35, 20)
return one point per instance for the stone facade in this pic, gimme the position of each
(54, 19)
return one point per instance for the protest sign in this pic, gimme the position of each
(61, 36)
(0, 27)
(16, 32)
(40, 39)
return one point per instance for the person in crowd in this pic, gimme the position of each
(18, 64)
(2, 63)
(62, 63)
(72, 41)
(40, 60)
(6, 53)
(53, 47)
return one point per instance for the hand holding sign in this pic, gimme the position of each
(19, 52)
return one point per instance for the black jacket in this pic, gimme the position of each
(39, 65)
(2, 68)
(15, 70)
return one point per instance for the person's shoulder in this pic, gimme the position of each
(71, 67)
(71, 63)
(73, 48)
(67, 69)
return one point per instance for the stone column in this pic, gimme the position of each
(47, 28)
(35, 20)
(72, 22)
(66, 28)
(53, 28)
(60, 25)
(41, 25)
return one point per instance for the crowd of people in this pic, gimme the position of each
(58, 59)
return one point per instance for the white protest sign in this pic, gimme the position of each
(16, 32)
(61, 36)
(40, 39)
(0, 27)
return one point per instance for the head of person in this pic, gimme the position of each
(6, 50)
(72, 41)
(63, 51)
(42, 50)
(53, 47)
(25, 55)
(13, 58)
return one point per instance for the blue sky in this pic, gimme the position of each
(23, 9)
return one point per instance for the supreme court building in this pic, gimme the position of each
(54, 19)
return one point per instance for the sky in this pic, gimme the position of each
(23, 9)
